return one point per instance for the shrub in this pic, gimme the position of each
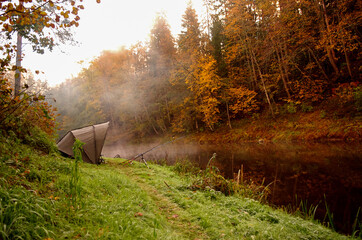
(22, 113)
(358, 98)
(306, 108)
(291, 107)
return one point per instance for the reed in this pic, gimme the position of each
(211, 178)
(75, 181)
(357, 226)
(329, 215)
(302, 209)
(308, 211)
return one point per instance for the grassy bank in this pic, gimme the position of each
(122, 201)
(313, 126)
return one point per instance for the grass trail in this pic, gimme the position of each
(116, 206)
(177, 217)
(211, 215)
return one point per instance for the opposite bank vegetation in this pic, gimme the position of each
(318, 125)
(46, 196)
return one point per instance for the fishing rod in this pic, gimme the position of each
(151, 149)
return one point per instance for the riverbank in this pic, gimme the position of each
(123, 201)
(313, 126)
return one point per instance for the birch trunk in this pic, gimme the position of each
(18, 65)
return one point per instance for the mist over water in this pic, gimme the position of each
(170, 152)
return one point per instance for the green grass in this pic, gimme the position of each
(123, 201)
(226, 217)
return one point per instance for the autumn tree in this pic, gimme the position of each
(206, 86)
(218, 43)
(189, 53)
(41, 23)
(161, 61)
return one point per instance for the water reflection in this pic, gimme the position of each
(297, 171)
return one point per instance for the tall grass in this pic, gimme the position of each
(303, 209)
(24, 215)
(308, 211)
(357, 226)
(75, 181)
(329, 215)
(211, 178)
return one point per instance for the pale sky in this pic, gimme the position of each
(106, 26)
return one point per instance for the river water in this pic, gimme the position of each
(317, 173)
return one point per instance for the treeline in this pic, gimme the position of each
(247, 57)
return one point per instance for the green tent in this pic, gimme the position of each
(93, 137)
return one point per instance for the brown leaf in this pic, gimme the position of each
(138, 214)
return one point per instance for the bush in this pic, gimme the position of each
(358, 98)
(291, 107)
(306, 108)
(40, 140)
(22, 113)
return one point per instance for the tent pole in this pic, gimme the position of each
(95, 145)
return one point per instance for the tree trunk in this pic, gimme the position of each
(18, 65)
(318, 63)
(330, 52)
(263, 83)
(253, 82)
(149, 118)
(228, 114)
(252, 67)
(283, 54)
(347, 60)
(282, 73)
(168, 112)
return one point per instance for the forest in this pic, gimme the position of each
(246, 60)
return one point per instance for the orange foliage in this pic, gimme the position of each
(309, 90)
(242, 100)
(345, 92)
(24, 110)
(42, 115)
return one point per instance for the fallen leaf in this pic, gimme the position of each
(138, 214)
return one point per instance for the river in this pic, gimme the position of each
(315, 173)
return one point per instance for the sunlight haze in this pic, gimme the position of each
(105, 26)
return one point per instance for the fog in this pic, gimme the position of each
(157, 151)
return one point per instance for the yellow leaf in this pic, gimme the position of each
(75, 11)
(9, 28)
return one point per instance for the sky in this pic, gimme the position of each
(106, 26)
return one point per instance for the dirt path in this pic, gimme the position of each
(177, 217)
